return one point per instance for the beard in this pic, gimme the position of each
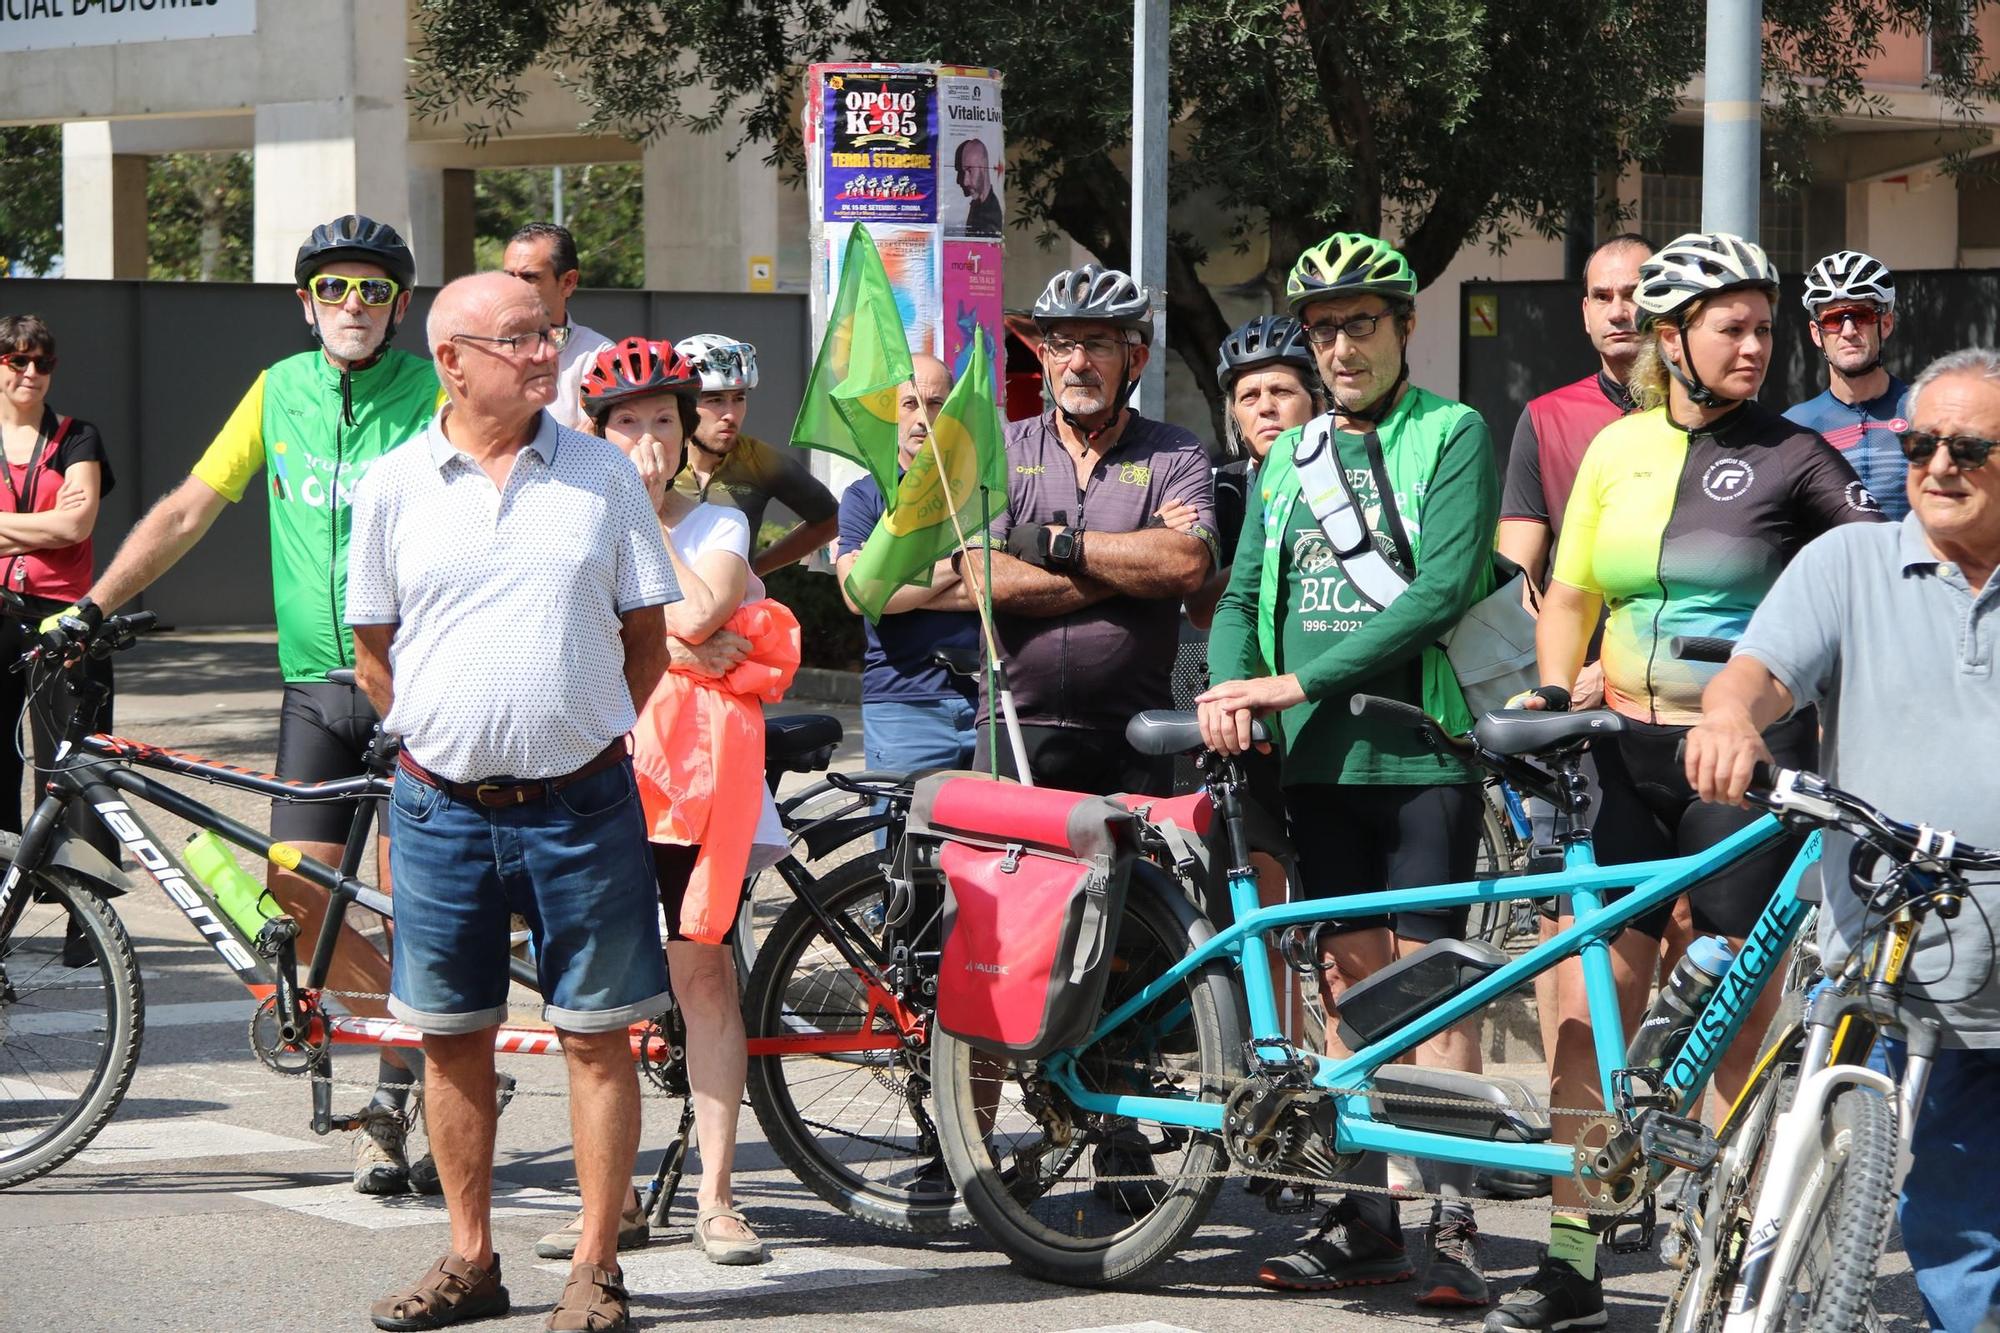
(1084, 400)
(351, 342)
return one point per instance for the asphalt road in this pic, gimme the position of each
(209, 1204)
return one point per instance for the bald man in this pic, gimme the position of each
(914, 714)
(505, 582)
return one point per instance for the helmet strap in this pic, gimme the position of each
(1690, 379)
(1385, 402)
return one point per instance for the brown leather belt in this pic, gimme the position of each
(497, 793)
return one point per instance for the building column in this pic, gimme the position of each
(104, 205)
(694, 235)
(441, 224)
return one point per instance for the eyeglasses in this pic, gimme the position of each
(20, 362)
(1097, 349)
(1864, 317)
(1967, 451)
(541, 340)
(1358, 328)
(335, 288)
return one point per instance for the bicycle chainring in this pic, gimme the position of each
(295, 1058)
(1620, 1185)
(663, 1056)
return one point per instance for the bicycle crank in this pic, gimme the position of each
(1609, 1166)
(312, 1039)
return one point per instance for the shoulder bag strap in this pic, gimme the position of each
(1379, 465)
(1323, 485)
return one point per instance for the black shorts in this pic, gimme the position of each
(323, 735)
(673, 867)
(1651, 813)
(1353, 839)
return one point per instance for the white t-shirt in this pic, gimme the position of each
(706, 529)
(571, 365)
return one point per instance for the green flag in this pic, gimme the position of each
(916, 528)
(850, 402)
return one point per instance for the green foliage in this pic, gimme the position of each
(31, 200)
(199, 210)
(829, 633)
(601, 207)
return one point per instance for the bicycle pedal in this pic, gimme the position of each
(1630, 1235)
(1676, 1140)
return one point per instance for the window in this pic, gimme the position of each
(1670, 205)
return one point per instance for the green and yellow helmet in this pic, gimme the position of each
(1348, 263)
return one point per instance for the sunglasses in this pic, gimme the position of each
(1830, 321)
(1967, 451)
(19, 362)
(335, 288)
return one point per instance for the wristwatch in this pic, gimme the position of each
(1065, 548)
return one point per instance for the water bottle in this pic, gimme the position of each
(1673, 1013)
(241, 898)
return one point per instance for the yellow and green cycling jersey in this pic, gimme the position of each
(1682, 533)
(293, 425)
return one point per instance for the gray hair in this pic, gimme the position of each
(1981, 361)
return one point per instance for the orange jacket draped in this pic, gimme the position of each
(698, 751)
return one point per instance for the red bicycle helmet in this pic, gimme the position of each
(636, 368)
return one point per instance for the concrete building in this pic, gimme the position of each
(315, 91)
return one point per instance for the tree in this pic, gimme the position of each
(199, 217)
(31, 203)
(601, 207)
(1440, 120)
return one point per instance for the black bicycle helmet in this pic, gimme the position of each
(358, 238)
(1263, 341)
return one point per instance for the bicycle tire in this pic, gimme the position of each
(1034, 1209)
(69, 1058)
(1700, 1298)
(1492, 921)
(1831, 1285)
(861, 1153)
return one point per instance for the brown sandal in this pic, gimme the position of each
(594, 1300)
(453, 1291)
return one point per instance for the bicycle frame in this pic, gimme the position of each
(1652, 883)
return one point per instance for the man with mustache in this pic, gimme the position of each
(1087, 579)
(316, 421)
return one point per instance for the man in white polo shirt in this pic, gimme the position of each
(505, 582)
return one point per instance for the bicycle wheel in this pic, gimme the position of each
(1844, 1213)
(71, 1018)
(1492, 921)
(854, 1126)
(1088, 1199)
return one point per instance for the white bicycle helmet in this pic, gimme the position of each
(1093, 292)
(724, 362)
(1849, 275)
(1698, 265)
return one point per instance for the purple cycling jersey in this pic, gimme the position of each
(1096, 667)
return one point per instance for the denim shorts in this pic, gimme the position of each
(575, 864)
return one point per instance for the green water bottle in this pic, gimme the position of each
(241, 898)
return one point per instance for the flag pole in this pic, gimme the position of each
(995, 668)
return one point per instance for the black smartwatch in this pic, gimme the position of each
(1065, 548)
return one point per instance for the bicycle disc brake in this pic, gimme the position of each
(290, 1058)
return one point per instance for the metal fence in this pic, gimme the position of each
(158, 366)
(1520, 339)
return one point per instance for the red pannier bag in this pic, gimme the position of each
(1035, 883)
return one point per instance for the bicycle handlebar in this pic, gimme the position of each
(1700, 648)
(1796, 792)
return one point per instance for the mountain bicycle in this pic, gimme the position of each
(1174, 1063)
(836, 1005)
(1786, 1228)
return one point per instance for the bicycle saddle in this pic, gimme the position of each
(1165, 731)
(956, 660)
(798, 735)
(1519, 731)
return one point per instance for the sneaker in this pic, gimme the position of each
(1125, 1153)
(1359, 1243)
(379, 1164)
(1498, 1184)
(932, 1181)
(1555, 1298)
(1454, 1276)
(424, 1176)
(1405, 1180)
(633, 1233)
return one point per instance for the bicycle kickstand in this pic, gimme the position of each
(673, 1163)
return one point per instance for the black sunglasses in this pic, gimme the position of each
(20, 361)
(1967, 451)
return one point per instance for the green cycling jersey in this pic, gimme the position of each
(293, 423)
